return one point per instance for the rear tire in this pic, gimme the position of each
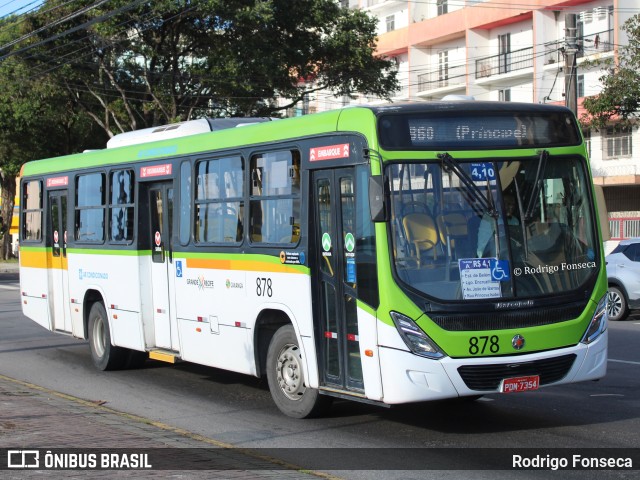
(104, 355)
(285, 375)
(617, 306)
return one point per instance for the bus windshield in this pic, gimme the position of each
(479, 229)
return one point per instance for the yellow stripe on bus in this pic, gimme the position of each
(243, 265)
(42, 259)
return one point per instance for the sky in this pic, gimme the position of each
(18, 6)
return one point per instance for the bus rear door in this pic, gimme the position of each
(161, 202)
(57, 261)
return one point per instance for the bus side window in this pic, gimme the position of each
(219, 199)
(90, 207)
(185, 203)
(32, 211)
(275, 197)
(121, 206)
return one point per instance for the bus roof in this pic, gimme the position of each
(290, 128)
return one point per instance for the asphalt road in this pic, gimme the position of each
(238, 409)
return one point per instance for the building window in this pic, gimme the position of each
(442, 7)
(391, 23)
(617, 143)
(443, 68)
(580, 86)
(587, 141)
(504, 95)
(504, 50)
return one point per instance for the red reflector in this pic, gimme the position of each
(113, 307)
(44, 295)
(330, 335)
(200, 319)
(238, 324)
(351, 337)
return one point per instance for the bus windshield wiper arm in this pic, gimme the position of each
(474, 191)
(542, 164)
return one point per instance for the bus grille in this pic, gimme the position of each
(488, 377)
(496, 320)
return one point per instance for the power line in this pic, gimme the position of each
(82, 26)
(57, 22)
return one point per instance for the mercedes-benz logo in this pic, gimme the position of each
(517, 342)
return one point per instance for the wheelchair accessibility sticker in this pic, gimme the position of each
(499, 270)
(481, 277)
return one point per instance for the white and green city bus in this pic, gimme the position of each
(384, 254)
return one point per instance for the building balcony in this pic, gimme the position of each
(444, 80)
(616, 174)
(504, 63)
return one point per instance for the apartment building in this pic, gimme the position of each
(511, 51)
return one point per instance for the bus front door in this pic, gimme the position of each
(58, 270)
(163, 295)
(335, 280)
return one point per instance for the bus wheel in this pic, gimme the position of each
(286, 378)
(104, 355)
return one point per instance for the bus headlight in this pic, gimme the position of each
(417, 341)
(598, 323)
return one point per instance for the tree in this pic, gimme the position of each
(619, 99)
(138, 64)
(36, 120)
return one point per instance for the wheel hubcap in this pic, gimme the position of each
(614, 304)
(98, 337)
(289, 369)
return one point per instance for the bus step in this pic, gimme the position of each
(164, 356)
(348, 395)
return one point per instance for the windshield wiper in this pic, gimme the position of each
(537, 184)
(472, 188)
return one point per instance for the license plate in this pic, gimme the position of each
(520, 384)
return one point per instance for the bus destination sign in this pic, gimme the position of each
(505, 130)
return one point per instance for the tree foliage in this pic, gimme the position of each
(619, 99)
(37, 120)
(131, 65)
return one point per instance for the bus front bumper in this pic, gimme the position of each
(407, 377)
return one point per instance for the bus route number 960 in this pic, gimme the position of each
(480, 345)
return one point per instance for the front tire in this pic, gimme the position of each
(287, 383)
(617, 306)
(104, 355)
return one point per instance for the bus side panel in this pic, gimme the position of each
(116, 280)
(370, 364)
(34, 288)
(126, 329)
(226, 349)
(223, 300)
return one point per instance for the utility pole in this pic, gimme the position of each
(570, 66)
